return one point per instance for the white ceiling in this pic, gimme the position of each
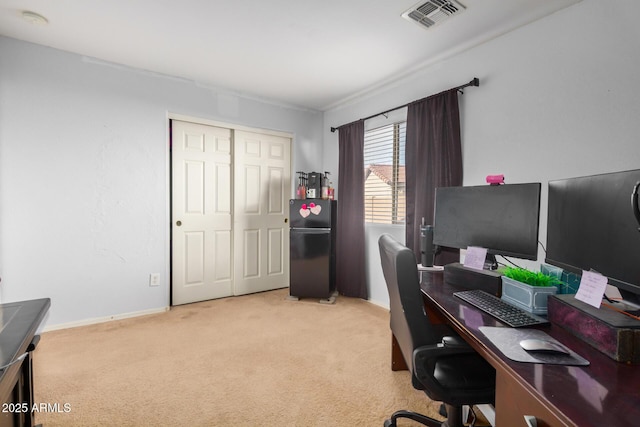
(308, 53)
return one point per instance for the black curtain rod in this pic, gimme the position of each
(474, 82)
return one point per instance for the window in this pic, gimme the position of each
(384, 185)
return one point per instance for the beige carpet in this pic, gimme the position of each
(255, 360)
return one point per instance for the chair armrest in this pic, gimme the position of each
(455, 342)
(450, 347)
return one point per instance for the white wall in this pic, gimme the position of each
(84, 192)
(84, 160)
(557, 98)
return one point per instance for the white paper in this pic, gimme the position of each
(592, 287)
(475, 257)
(613, 293)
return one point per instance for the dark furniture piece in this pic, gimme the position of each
(19, 322)
(605, 393)
(312, 242)
(443, 365)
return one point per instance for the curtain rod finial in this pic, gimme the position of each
(333, 129)
(475, 81)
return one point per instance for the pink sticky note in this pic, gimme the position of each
(475, 257)
(592, 287)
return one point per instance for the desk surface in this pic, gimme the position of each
(19, 322)
(605, 393)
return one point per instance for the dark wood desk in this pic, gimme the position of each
(605, 393)
(19, 322)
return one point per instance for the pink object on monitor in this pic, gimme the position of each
(495, 179)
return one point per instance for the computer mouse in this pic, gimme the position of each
(542, 345)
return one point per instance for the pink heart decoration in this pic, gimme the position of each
(316, 209)
(304, 213)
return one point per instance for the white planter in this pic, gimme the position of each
(530, 298)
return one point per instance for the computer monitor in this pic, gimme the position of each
(592, 225)
(501, 218)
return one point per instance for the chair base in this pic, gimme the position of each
(453, 414)
(422, 419)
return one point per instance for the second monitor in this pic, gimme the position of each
(502, 218)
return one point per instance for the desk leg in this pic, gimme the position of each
(27, 382)
(397, 361)
(27, 389)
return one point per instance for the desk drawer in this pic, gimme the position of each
(513, 402)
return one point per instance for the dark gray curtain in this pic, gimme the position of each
(433, 159)
(350, 267)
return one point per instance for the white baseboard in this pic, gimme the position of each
(96, 320)
(379, 304)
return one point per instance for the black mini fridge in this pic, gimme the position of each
(313, 249)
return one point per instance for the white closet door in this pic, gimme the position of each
(202, 265)
(262, 181)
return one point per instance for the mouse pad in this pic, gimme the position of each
(508, 342)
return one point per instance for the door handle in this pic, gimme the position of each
(286, 220)
(178, 223)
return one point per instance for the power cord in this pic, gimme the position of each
(18, 359)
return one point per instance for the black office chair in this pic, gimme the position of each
(443, 365)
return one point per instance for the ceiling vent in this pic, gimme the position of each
(433, 12)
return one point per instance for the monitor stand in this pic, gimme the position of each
(470, 278)
(630, 302)
(490, 262)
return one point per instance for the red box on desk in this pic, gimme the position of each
(613, 333)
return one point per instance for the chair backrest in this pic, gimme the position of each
(409, 322)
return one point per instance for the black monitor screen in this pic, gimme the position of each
(591, 225)
(502, 218)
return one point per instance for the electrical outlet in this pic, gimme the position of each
(154, 279)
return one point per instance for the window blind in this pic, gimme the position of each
(384, 170)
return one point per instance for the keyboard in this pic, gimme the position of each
(505, 312)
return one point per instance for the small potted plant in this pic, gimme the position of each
(527, 289)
